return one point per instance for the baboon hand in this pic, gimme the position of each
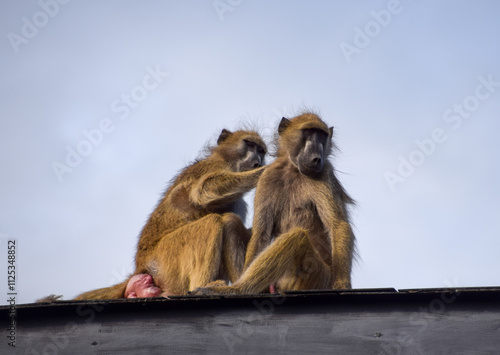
(215, 290)
(203, 291)
(217, 283)
(342, 285)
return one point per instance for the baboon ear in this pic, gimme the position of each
(331, 131)
(224, 134)
(285, 122)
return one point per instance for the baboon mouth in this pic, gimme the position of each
(310, 171)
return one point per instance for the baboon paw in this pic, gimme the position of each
(216, 290)
(217, 283)
(342, 285)
(202, 291)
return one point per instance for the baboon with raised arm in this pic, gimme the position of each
(301, 233)
(196, 234)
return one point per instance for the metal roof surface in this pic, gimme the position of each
(360, 321)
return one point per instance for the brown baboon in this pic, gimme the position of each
(196, 233)
(302, 237)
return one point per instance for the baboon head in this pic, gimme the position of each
(306, 140)
(242, 150)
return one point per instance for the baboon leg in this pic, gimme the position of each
(235, 241)
(198, 253)
(269, 266)
(190, 254)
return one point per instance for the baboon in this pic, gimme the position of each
(302, 237)
(196, 233)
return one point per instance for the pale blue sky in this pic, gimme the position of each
(414, 100)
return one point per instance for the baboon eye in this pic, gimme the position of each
(261, 150)
(323, 135)
(250, 144)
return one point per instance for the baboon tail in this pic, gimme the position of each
(106, 293)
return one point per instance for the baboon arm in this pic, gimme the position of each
(335, 219)
(223, 187)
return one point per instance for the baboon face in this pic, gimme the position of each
(311, 156)
(307, 140)
(243, 150)
(252, 155)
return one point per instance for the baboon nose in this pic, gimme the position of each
(256, 165)
(317, 161)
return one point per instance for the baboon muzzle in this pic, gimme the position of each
(311, 160)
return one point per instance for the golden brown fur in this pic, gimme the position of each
(196, 233)
(302, 237)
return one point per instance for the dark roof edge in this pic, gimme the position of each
(369, 293)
